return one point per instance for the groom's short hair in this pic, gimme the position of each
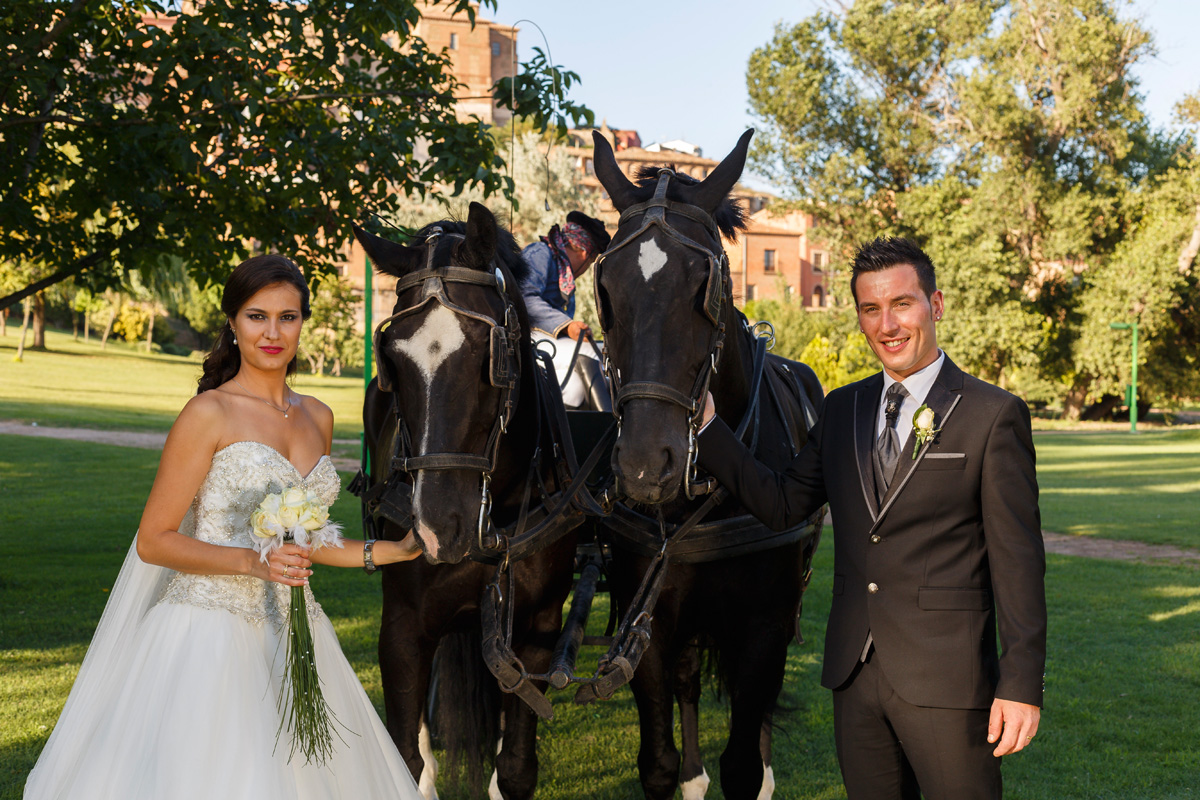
(886, 252)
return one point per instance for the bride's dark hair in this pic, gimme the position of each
(247, 279)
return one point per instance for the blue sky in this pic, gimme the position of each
(677, 69)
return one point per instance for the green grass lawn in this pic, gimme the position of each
(1122, 678)
(1142, 487)
(77, 385)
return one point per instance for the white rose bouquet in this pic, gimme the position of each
(297, 516)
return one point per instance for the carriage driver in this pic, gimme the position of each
(561, 256)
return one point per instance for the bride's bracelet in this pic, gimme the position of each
(369, 557)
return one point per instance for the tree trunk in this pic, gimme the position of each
(75, 327)
(337, 367)
(3, 322)
(39, 321)
(112, 317)
(24, 327)
(150, 332)
(87, 319)
(1073, 402)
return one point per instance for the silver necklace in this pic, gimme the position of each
(283, 411)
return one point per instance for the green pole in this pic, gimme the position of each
(1133, 385)
(368, 330)
(1122, 326)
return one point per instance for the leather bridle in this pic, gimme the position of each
(504, 368)
(653, 214)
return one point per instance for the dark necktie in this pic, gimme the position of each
(888, 444)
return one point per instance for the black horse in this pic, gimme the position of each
(454, 406)
(672, 333)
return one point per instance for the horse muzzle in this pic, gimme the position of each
(648, 459)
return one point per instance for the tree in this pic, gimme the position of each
(1004, 136)
(329, 335)
(134, 133)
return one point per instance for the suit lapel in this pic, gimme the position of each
(943, 398)
(866, 409)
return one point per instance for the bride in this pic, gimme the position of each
(177, 695)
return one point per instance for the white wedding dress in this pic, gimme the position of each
(176, 698)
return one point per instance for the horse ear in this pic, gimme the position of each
(481, 236)
(620, 189)
(715, 188)
(388, 257)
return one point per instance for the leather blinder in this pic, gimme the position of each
(381, 365)
(714, 293)
(500, 372)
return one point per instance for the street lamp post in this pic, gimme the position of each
(1132, 395)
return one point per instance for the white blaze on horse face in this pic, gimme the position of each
(651, 258)
(439, 337)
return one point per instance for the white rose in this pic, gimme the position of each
(313, 517)
(270, 505)
(925, 419)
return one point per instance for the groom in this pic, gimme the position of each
(937, 545)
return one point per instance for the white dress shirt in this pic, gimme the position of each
(918, 385)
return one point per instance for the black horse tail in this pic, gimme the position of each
(464, 717)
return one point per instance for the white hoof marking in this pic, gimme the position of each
(768, 787)
(696, 788)
(429, 774)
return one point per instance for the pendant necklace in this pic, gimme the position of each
(283, 411)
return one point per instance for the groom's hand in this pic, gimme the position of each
(1013, 724)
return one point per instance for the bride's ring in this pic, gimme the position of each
(285, 571)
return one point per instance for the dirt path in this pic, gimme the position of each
(1062, 544)
(143, 441)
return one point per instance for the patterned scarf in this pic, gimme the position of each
(558, 239)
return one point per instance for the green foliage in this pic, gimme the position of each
(539, 92)
(127, 144)
(329, 336)
(132, 322)
(1007, 138)
(201, 308)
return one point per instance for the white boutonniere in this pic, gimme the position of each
(923, 429)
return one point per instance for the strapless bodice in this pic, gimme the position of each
(241, 475)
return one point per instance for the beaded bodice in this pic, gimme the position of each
(241, 475)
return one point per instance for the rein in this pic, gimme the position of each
(653, 214)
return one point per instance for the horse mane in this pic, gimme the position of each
(506, 245)
(509, 254)
(730, 216)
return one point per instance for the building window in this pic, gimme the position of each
(750, 291)
(495, 48)
(454, 41)
(818, 262)
(768, 260)
(819, 297)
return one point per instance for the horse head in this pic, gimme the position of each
(663, 293)
(450, 356)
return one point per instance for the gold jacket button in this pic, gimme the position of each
(876, 538)
(872, 588)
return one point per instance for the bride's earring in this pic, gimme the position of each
(231, 330)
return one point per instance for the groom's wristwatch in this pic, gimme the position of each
(368, 557)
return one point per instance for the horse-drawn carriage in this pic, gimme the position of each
(511, 496)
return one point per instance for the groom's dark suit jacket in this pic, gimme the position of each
(953, 551)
